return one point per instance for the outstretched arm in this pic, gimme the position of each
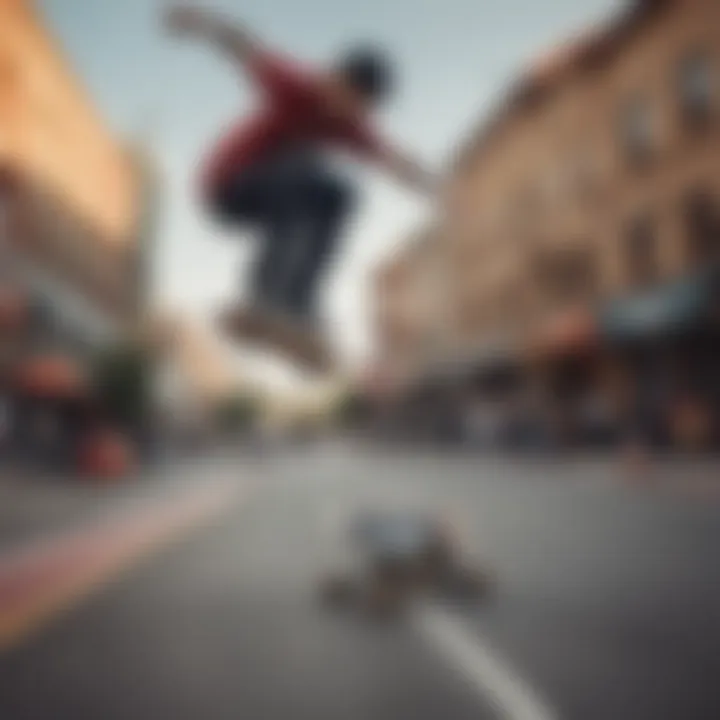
(409, 173)
(233, 39)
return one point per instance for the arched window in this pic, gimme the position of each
(642, 252)
(702, 217)
(638, 130)
(696, 81)
(568, 275)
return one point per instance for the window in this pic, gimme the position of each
(696, 80)
(702, 217)
(642, 253)
(568, 275)
(637, 130)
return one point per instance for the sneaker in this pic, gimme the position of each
(247, 320)
(298, 336)
(306, 339)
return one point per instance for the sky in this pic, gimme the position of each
(454, 58)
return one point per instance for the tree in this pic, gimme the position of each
(123, 380)
(237, 413)
(352, 410)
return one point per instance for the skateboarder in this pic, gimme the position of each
(270, 173)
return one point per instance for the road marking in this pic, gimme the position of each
(490, 675)
(38, 585)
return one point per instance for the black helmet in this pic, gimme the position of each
(369, 71)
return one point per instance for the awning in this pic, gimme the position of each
(52, 377)
(668, 310)
(569, 334)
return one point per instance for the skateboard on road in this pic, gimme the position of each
(394, 557)
(278, 333)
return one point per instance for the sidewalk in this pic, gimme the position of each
(675, 474)
(40, 505)
(36, 506)
(42, 577)
(682, 476)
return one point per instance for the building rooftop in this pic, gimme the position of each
(547, 71)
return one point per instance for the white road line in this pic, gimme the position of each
(482, 667)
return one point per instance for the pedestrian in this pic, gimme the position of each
(270, 173)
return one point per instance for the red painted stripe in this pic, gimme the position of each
(77, 557)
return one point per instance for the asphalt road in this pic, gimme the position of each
(37, 505)
(607, 605)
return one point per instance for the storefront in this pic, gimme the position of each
(52, 323)
(668, 343)
(476, 394)
(78, 212)
(568, 372)
(53, 411)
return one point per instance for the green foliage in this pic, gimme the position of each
(123, 378)
(352, 410)
(237, 413)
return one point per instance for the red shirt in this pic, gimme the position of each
(294, 112)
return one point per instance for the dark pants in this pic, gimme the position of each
(298, 206)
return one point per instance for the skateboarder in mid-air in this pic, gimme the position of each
(270, 173)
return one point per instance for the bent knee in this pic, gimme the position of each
(336, 195)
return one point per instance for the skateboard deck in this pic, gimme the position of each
(271, 331)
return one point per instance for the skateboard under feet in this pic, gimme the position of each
(279, 333)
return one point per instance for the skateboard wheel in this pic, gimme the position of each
(470, 584)
(383, 602)
(337, 591)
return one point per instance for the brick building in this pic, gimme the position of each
(585, 218)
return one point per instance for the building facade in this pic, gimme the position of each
(76, 205)
(407, 303)
(584, 215)
(70, 190)
(408, 377)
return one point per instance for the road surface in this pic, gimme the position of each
(607, 604)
